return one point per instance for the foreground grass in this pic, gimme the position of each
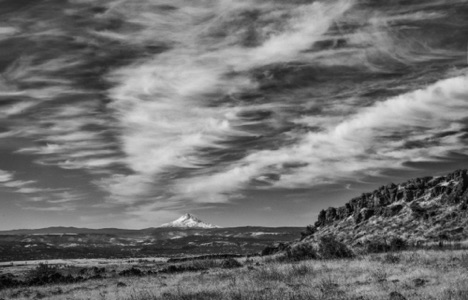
(423, 274)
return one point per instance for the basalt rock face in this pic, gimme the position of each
(422, 209)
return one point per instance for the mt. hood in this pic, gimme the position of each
(189, 221)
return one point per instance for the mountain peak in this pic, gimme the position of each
(189, 216)
(189, 221)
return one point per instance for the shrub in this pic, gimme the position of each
(230, 263)
(46, 274)
(131, 272)
(42, 270)
(270, 250)
(301, 251)
(8, 280)
(330, 248)
(391, 258)
(310, 230)
(377, 246)
(398, 244)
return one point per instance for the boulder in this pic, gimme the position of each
(391, 211)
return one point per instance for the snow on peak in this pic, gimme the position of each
(188, 221)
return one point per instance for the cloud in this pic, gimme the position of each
(17, 183)
(308, 24)
(50, 200)
(212, 98)
(5, 176)
(7, 180)
(61, 207)
(28, 188)
(125, 189)
(373, 139)
(44, 199)
(166, 106)
(68, 144)
(7, 31)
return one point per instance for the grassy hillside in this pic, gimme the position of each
(421, 274)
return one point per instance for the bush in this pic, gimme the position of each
(46, 274)
(230, 263)
(182, 268)
(8, 280)
(301, 251)
(377, 246)
(398, 244)
(270, 250)
(42, 270)
(310, 230)
(380, 245)
(131, 272)
(391, 258)
(330, 248)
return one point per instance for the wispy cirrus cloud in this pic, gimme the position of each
(166, 107)
(52, 200)
(38, 198)
(422, 125)
(5, 176)
(45, 198)
(161, 106)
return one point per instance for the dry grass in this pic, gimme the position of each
(423, 274)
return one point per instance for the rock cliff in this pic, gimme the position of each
(419, 210)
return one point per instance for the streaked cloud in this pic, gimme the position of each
(155, 111)
(5, 176)
(374, 138)
(163, 105)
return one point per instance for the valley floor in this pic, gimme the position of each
(421, 274)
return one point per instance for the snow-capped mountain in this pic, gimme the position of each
(188, 221)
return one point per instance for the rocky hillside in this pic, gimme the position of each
(428, 209)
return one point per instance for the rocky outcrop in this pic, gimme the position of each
(428, 208)
(453, 189)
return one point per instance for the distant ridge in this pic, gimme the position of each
(188, 221)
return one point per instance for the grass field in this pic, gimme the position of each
(420, 274)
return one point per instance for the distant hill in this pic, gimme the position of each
(71, 242)
(428, 209)
(73, 230)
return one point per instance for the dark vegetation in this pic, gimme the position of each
(41, 275)
(326, 247)
(44, 274)
(384, 245)
(55, 243)
(201, 257)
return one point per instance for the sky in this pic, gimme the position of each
(129, 114)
